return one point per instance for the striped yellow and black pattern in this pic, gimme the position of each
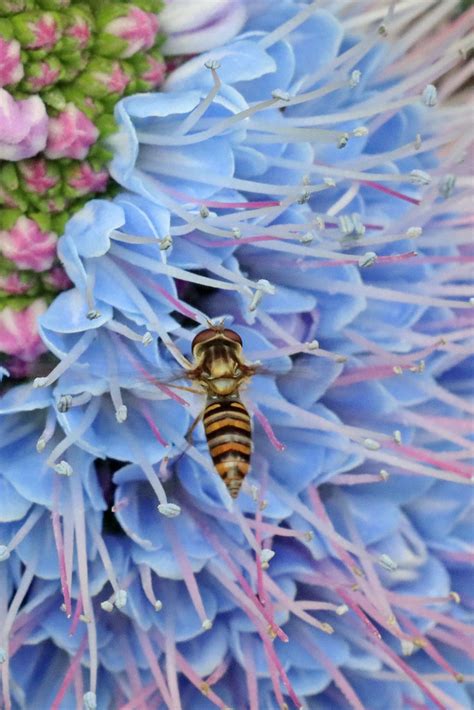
(229, 436)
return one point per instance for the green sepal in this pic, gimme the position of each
(12, 7)
(55, 99)
(8, 176)
(8, 217)
(53, 4)
(6, 28)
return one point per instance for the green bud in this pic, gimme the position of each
(53, 4)
(11, 7)
(6, 27)
(8, 176)
(55, 99)
(37, 73)
(24, 28)
(9, 217)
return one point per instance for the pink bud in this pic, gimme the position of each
(155, 73)
(23, 127)
(85, 180)
(11, 283)
(11, 68)
(57, 278)
(27, 246)
(19, 331)
(70, 135)
(137, 28)
(36, 177)
(45, 31)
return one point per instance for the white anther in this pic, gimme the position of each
(345, 224)
(397, 436)
(281, 95)
(318, 221)
(236, 233)
(93, 314)
(342, 609)
(166, 242)
(90, 700)
(107, 606)
(414, 232)
(4, 553)
(3, 655)
(455, 597)
(446, 185)
(212, 64)
(420, 177)
(407, 647)
(329, 182)
(40, 381)
(169, 510)
(367, 259)
(384, 475)
(360, 131)
(147, 338)
(158, 605)
(85, 618)
(41, 444)
(306, 238)
(387, 563)
(63, 468)
(207, 624)
(420, 367)
(64, 403)
(417, 142)
(304, 197)
(355, 78)
(121, 414)
(313, 345)
(343, 140)
(62, 607)
(263, 286)
(120, 598)
(359, 228)
(371, 444)
(309, 536)
(266, 554)
(204, 212)
(398, 370)
(430, 95)
(306, 180)
(382, 30)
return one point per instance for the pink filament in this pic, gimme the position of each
(75, 618)
(268, 429)
(427, 457)
(147, 416)
(58, 540)
(69, 677)
(428, 647)
(273, 659)
(186, 569)
(390, 191)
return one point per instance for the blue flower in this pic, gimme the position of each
(298, 181)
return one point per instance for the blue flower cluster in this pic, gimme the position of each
(300, 182)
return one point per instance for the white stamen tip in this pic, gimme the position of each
(207, 624)
(387, 563)
(306, 238)
(263, 286)
(329, 182)
(397, 436)
(40, 382)
(147, 338)
(382, 30)
(398, 370)
(343, 140)
(166, 242)
(90, 700)
(360, 131)
(281, 95)
(63, 468)
(121, 414)
(418, 141)
(342, 609)
(414, 232)
(92, 314)
(40, 444)
(345, 225)
(446, 185)
(420, 177)
(158, 605)
(120, 598)
(4, 553)
(304, 197)
(212, 64)
(318, 221)
(169, 510)
(236, 233)
(64, 403)
(367, 259)
(430, 95)
(107, 606)
(204, 212)
(371, 444)
(455, 597)
(384, 475)
(3, 655)
(355, 78)
(266, 555)
(309, 536)
(62, 607)
(471, 301)
(313, 345)
(359, 228)
(407, 647)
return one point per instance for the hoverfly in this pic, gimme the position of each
(220, 370)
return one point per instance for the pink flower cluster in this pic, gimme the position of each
(11, 68)
(27, 246)
(19, 331)
(23, 127)
(70, 135)
(137, 28)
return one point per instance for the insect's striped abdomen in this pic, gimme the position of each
(229, 436)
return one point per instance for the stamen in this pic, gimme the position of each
(48, 431)
(195, 115)
(147, 586)
(83, 425)
(74, 666)
(74, 354)
(20, 535)
(155, 669)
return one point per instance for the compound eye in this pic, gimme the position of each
(202, 337)
(232, 335)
